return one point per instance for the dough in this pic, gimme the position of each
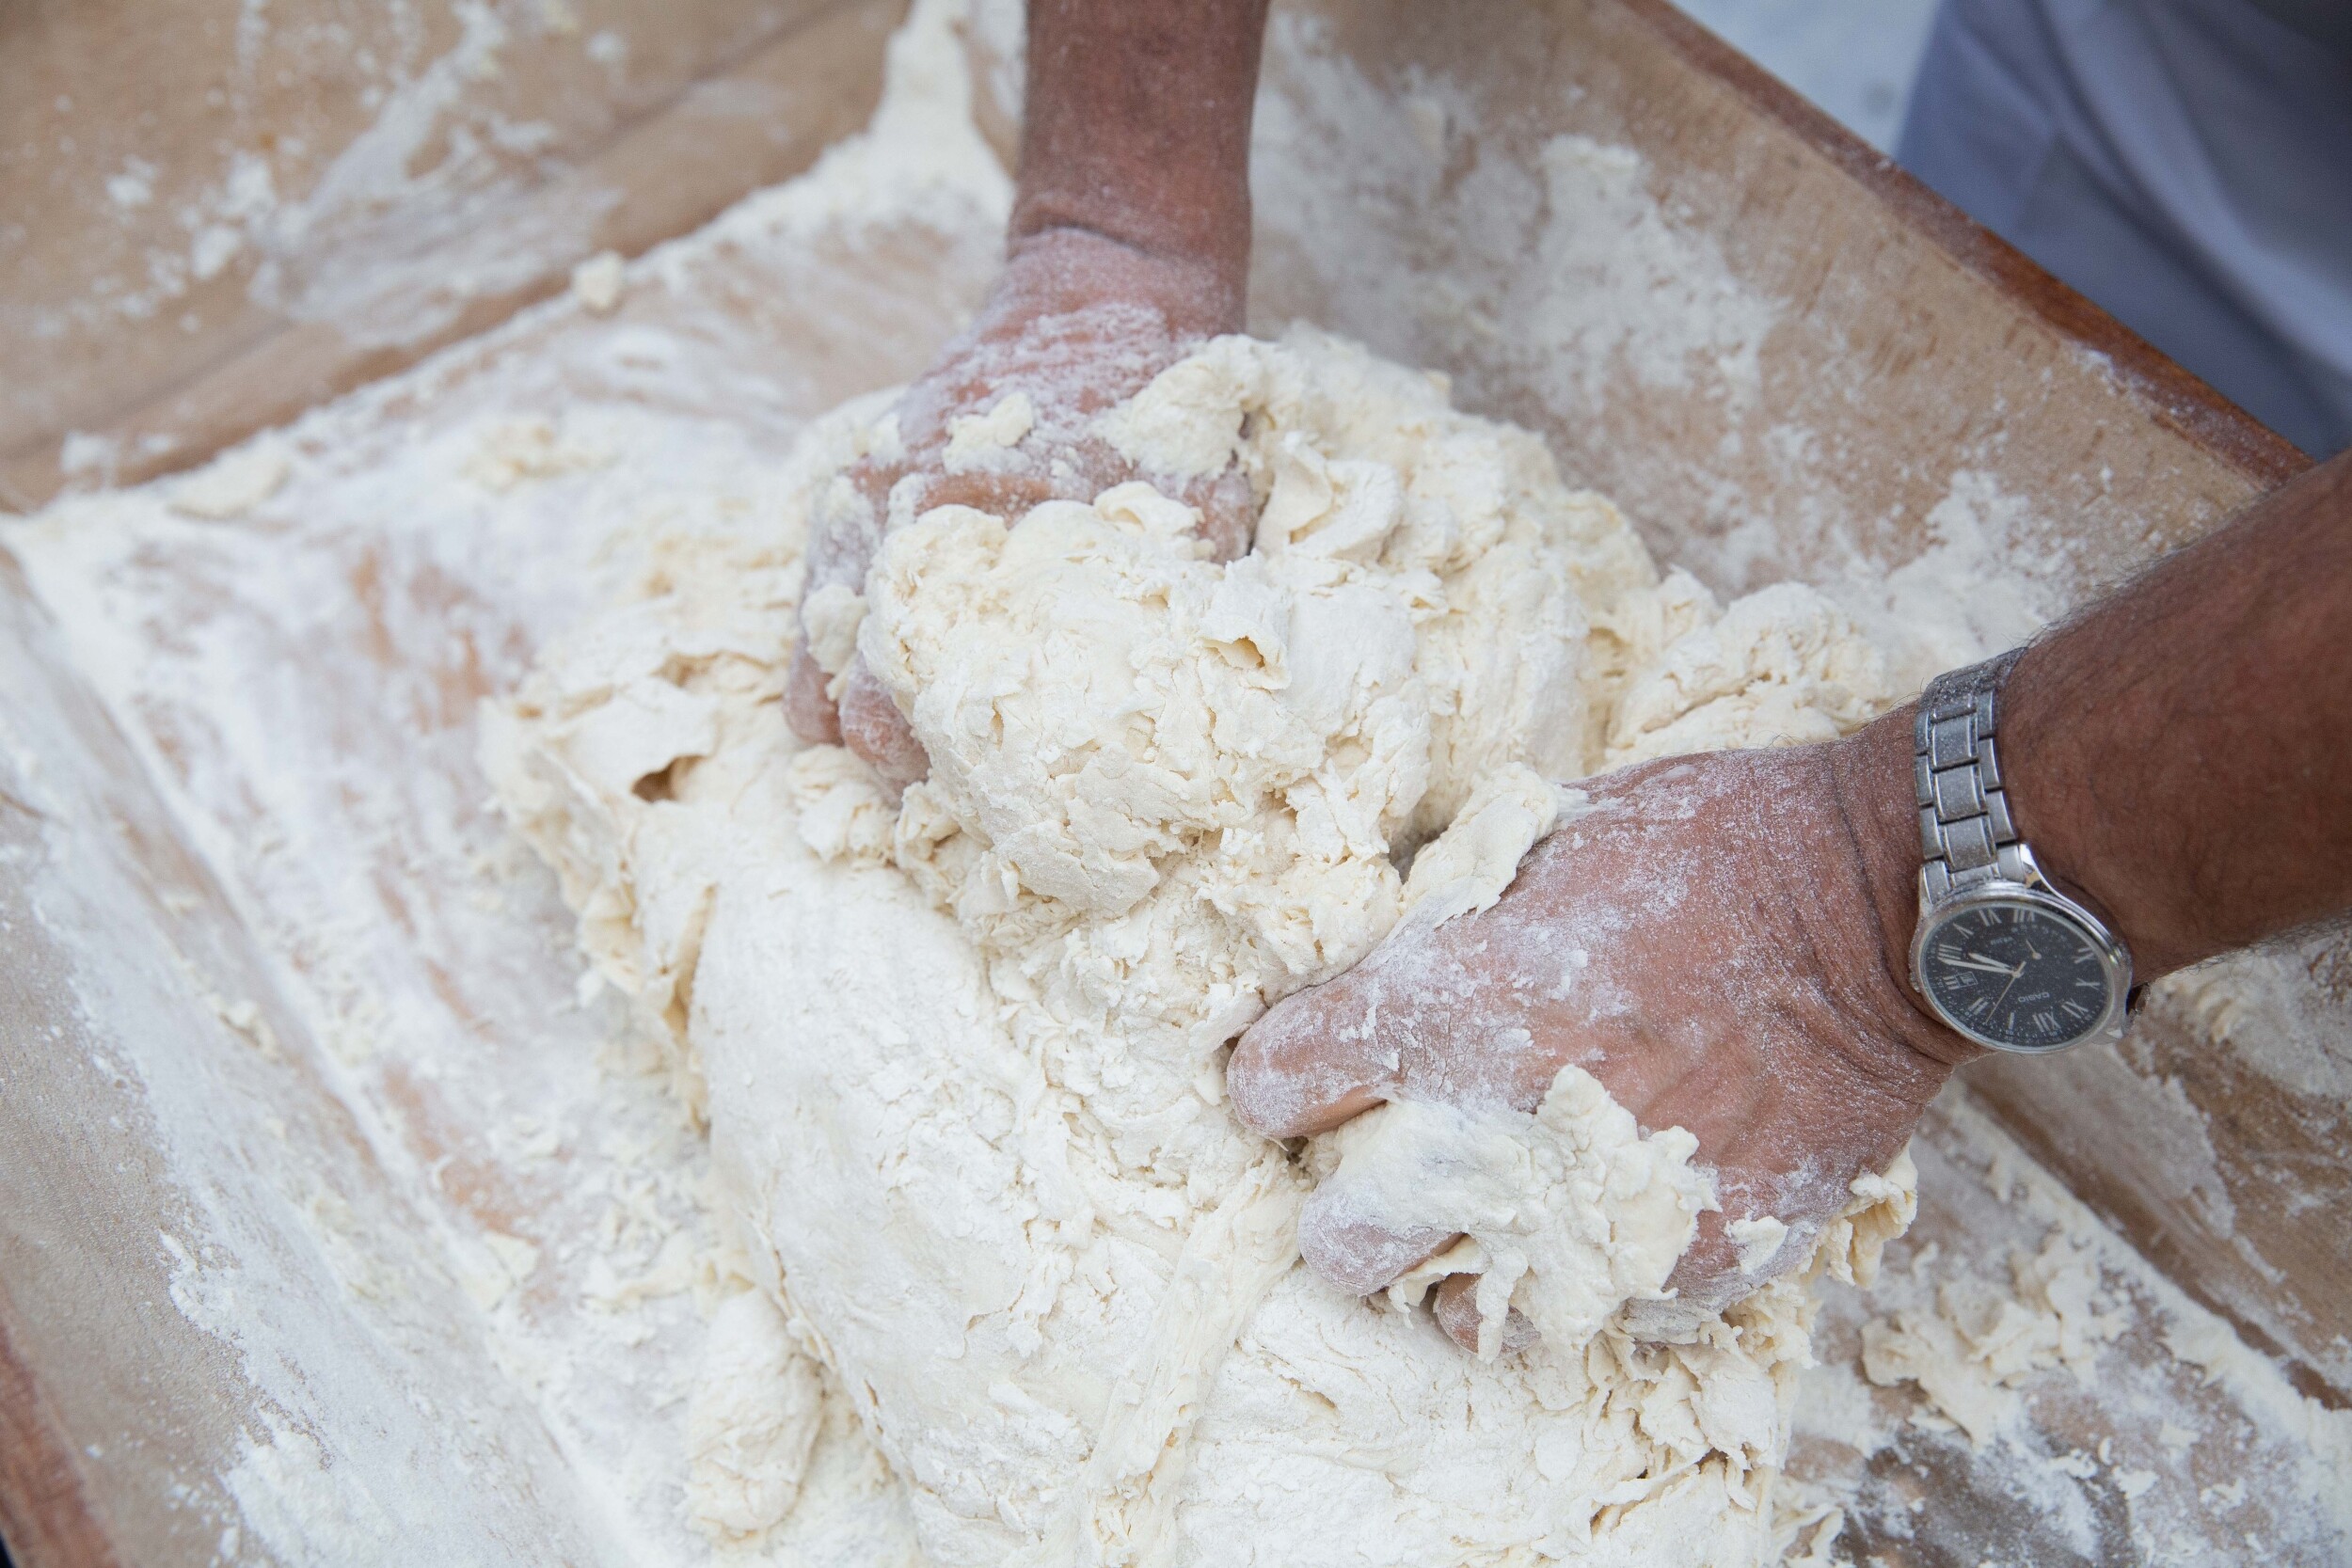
(962, 1059)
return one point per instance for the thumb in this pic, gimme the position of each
(1350, 1244)
(1229, 512)
(1455, 1304)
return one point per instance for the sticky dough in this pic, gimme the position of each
(961, 1058)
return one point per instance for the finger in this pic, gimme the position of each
(1430, 1014)
(1348, 1245)
(1456, 1306)
(1361, 1258)
(1766, 1227)
(846, 524)
(810, 713)
(1708, 1277)
(872, 727)
(845, 529)
(1315, 1060)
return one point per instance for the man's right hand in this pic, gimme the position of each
(1077, 324)
(1720, 940)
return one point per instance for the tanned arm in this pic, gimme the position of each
(2181, 750)
(1137, 131)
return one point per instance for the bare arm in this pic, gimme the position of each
(1137, 131)
(2180, 749)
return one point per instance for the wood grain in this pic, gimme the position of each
(120, 1417)
(760, 114)
(2178, 400)
(45, 1509)
(120, 1411)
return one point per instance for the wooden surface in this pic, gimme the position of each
(425, 178)
(129, 1413)
(2175, 399)
(317, 741)
(1866, 357)
(43, 1507)
(120, 1415)
(2223, 1168)
(1898, 342)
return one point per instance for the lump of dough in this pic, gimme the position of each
(964, 1051)
(751, 1421)
(1571, 1211)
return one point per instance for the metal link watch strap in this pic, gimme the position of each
(1965, 823)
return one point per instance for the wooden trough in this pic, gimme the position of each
(1782, 357)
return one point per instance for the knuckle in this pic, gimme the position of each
(1272, 1076)
(807, 711)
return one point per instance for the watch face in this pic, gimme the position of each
(2015, 974)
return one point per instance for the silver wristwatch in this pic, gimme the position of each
(2001, 956)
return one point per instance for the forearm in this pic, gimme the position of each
(2178, 751)
(1137, 130)
(2197, 733)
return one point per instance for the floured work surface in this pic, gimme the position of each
(453, 1262)
(302, 197)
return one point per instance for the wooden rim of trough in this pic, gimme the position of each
(2179, 401)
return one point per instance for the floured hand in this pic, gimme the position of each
(1003, 419)
(1709, 941)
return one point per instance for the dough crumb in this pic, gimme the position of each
(985, 441)
(1979, 1345)
(598, 283)
(232, 483)
(512, 451)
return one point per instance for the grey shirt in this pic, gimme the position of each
(2187, 164)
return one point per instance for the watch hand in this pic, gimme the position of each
(1984, 963)
(2012, 981)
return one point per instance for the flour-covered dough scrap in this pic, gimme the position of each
(963, 1053)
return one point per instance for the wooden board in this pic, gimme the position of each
(236, 1258)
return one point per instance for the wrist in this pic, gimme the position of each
(2070, 833)
(1872, 782)
(1137, 132)
(1058, 270)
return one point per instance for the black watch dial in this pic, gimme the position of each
(2015, 975)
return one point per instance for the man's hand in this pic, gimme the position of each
(1129, 243)
(1077, 324)
(1716, 940)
